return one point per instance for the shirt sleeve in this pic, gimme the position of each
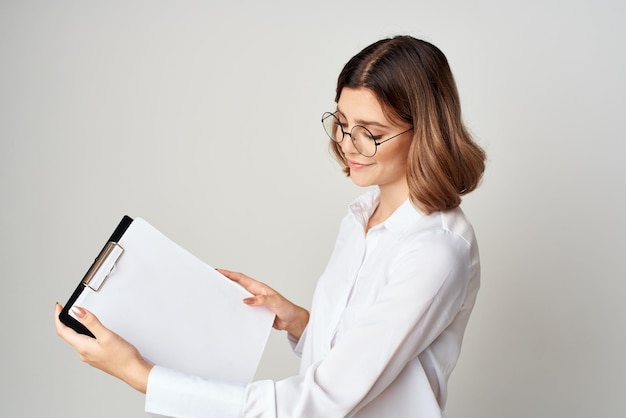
(174, 394)
(297, 343)
(425, 290)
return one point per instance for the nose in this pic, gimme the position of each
(347, 146)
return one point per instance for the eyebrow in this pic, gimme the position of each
(365, 122)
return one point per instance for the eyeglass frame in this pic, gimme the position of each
(326, 115)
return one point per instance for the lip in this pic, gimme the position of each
(354, 165)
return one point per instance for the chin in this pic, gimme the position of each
(361, 182)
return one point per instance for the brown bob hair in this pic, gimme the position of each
(414, 84)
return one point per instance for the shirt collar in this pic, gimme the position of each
(400, 221)
(403, 219)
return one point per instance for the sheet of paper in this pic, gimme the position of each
(177, 310)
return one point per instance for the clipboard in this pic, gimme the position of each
(178, 311)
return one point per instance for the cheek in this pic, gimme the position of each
(394, 163)
(395, 157)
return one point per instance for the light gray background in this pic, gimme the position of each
(203, 118)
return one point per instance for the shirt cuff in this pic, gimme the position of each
(297, 344)
(176, 394)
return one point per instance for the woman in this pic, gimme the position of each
(389, 312)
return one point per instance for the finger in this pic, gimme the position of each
(254, 301)
(89, 320)
(235, 276)
(60, 326)
(73, 338)
(247, 282)
(57, 322)
(272, 302)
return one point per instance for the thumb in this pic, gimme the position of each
(258, 300)
(89, 320)
(271, 302)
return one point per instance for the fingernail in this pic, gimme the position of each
(249, 301)
(79, 312)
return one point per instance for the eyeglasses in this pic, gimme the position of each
(363, 140)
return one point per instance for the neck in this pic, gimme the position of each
(391, 198)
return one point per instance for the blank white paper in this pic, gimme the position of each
(177, 310)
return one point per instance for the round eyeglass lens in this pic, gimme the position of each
(332, 127)
(363, 141)
(361, 138)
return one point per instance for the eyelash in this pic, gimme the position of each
(344, 127)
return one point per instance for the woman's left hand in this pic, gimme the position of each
(289, 316)
(108, 351)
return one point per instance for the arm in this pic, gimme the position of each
(426, 288)
(117, 357)
(418, 304)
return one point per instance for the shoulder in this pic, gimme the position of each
(441, 241)
(409, 224)
(446, 226)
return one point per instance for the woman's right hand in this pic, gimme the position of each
(289, 316)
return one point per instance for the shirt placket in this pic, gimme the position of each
(371, 241)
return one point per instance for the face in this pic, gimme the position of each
(387, 168)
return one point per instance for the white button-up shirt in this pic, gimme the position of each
(385, 331)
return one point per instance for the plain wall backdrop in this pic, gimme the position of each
(204, 118)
